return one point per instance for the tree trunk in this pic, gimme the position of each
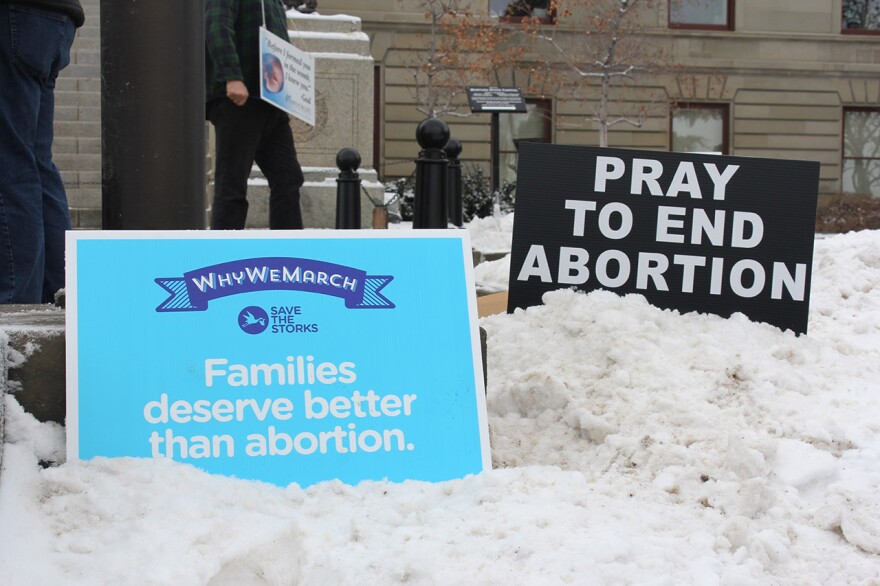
(602, 114)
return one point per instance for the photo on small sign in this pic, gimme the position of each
(287, 77)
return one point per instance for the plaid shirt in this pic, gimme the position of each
(232, 42)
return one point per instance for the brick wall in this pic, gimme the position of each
(77, 149)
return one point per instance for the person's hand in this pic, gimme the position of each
(237, 92)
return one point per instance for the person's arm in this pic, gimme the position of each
(220, 44)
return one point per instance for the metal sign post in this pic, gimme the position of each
(495, 100)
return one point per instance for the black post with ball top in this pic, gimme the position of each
(453, 183)
(348, 190)
(429, 207)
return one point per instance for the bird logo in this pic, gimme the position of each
(253, 320)
(250, 320)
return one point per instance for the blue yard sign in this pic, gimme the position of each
(277, 356)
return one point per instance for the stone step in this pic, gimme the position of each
(311, 174)
(36, 377)
(350, 43)
(317, 201)
(297, 22)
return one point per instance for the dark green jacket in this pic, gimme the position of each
(70, 7)
(232, 41)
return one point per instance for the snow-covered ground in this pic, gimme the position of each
(631, 445)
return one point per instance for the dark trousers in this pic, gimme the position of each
(254, 133)
(34, 47)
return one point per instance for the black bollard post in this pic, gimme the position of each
(453, 182)
(429, 207)
(153, 115)
(348, 190)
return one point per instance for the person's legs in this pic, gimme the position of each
(237, 130)
(56, 212)
(34, 46)
(276, 156)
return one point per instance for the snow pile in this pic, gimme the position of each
(631, 445)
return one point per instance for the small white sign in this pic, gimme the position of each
(287, 77)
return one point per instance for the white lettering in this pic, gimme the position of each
(740, 219)
(720, 179)
(646, 171)
(665, 223)
(573, 266)
(626, 221)
(607, 168)
(580, 208)
(535, 265)
(685, 179)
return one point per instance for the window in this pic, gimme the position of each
(516, 9)
(513, 129)
(861, 16)
(861, 151)
(701, 14)
(699, 128)
(498, 7)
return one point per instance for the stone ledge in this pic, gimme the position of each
(34, 358)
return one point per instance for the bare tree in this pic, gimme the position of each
(434, 95)
(460, 50)
(603, 46)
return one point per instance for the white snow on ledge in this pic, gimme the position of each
(358, 36)
(296, 14)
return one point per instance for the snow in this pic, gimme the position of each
(631, 445)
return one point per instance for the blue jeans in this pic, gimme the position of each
(34, 47)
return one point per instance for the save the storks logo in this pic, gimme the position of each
(253, 320)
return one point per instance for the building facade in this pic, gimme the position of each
(793, 79)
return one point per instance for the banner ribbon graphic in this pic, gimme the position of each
(196, 288)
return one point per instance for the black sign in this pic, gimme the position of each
(496, 99)
(690, 232)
